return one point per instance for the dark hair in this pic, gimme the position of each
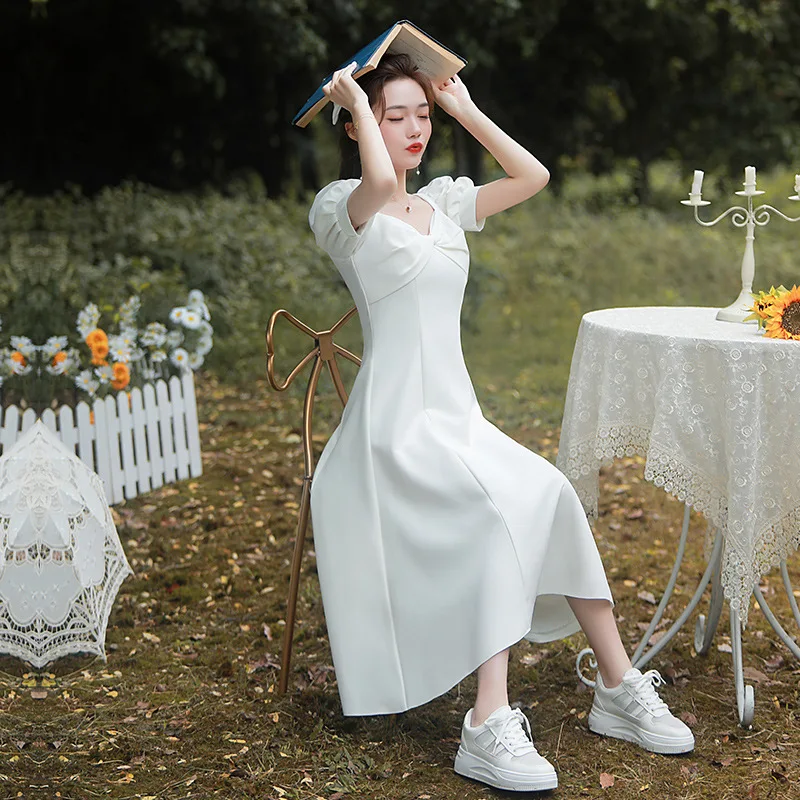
(391, 67)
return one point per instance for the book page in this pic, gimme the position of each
(432, 59)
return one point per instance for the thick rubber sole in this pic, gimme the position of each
(606, 724)
(471, 766)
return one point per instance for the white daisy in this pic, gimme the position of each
(15, 368)
(120, 353)
(104, 374)
(54, 345)
(180, 358)
(88, 319)
(63, 367)
(154, 335)
(196, 361)
(191, 319)
(24, 345)
(198, 303)
(176, 315)
(86, 382)
(204, 346)
(128, 311)
(157, 356)
(174, 338)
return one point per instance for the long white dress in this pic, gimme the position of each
(440, 541)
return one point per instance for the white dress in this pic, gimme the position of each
(440, 541)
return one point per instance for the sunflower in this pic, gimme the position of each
(122, 376)
(783, 321)
(763, 305)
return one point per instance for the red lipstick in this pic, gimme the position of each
(414, 148)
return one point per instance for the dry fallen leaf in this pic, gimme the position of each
(648, 597)
(752, 674)
(689, 718)
(606, 780)
(774, 663)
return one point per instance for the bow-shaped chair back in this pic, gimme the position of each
(323, 353)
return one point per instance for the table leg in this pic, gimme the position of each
(668, 591)
(706, 628)
(772, 619)
(790, 592)
(640, 657)
(678, 624)
(745, 697)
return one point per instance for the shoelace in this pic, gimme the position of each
(645, 689)
(512, 734)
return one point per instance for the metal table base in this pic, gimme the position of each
(706, 627)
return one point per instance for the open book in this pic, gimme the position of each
(434, 59)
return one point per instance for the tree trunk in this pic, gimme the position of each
(469, 154)
(641, 181)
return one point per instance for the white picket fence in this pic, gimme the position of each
(135, 445)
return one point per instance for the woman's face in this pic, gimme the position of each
(406, 122)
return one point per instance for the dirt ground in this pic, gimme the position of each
(187, 705)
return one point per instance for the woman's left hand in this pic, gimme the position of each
(452, 96)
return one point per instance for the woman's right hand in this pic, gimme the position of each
(343, 89)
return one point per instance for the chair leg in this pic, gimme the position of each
(294, 585)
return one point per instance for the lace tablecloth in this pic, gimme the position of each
(714, 407)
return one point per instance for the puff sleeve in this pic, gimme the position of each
(330, 221)
(457, 199)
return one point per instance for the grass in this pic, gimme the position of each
(186, 705)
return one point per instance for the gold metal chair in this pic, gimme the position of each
(323, 353)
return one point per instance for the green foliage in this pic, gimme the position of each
(179, 93)
(535, 270)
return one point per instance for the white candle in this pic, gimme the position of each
(697, 182)
(750, 176)
(797, 183)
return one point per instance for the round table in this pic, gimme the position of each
(714, 408)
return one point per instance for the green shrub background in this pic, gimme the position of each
(535, 270)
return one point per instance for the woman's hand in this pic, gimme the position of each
(344, 91)
(452, 96)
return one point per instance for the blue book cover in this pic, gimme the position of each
(432, 57)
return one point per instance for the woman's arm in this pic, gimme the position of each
(526, 174)
(378, 179)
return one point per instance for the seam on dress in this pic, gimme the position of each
(368, 415)
(421, 355)
(458, 456)
(499, 512)
(403, 286)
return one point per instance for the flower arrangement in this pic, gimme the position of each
(101, 362)
(778, 312)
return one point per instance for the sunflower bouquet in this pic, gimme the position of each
(103, 362)
(778, 312)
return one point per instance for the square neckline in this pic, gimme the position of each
(409, 225)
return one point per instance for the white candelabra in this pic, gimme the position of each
(741, 217)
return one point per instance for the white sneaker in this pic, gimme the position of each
(500, 752)
(633, 711)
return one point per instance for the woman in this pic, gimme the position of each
(440, 541)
